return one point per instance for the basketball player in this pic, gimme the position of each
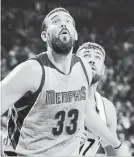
(95, 55)
(47, 95)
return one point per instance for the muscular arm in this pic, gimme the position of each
(112, 125)
(93, 121)
(25, 77)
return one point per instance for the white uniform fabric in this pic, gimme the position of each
(55, 123)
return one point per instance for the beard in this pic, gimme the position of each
(95, 78)
(62, 44)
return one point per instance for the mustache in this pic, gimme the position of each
(92, 66)
(63, 29)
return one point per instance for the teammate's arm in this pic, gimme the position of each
(25, 77)
(112, 125)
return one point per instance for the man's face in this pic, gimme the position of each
(96, 59)
(61, 32)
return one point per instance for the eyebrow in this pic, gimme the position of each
(54, 17)
(57, 16)
(69, 16)
(99, 53)
(86, 51)
(71, 19)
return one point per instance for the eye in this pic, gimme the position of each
(86, 56)
(68, 21)
(98, 57)
(56, 21)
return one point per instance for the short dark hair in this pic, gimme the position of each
(44, 26)
(91, 45)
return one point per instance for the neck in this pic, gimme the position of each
(62, 62)
(92, 90)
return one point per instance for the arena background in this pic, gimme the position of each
(107, 22)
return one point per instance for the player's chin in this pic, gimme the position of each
(66, 43)
(95, 79)
(65, 39)
(94, 73)
(63, 48)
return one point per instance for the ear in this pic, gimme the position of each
(44, 36)
(76, 35)
(103, 70)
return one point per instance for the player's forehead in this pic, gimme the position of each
(90, 51)
(60, 14)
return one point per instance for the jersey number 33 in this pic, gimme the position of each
(71, 128)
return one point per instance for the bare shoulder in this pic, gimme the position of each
(33, 72)
(25, 75)
(23, 78)
(88, 69)
(32, 65)
(27, 67)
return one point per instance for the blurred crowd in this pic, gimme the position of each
(21, 40)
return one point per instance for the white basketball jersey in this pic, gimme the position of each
(91, 146)
(52, 122)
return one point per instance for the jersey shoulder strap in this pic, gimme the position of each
(84, 69)
(38, 58)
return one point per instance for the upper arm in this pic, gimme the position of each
(111, 123)
(111, 119)
(111, 116)
(25, 77)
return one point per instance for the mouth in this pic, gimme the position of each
(93, 68)
(64, 32)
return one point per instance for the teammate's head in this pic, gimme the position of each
(58, 30)
(95, 55)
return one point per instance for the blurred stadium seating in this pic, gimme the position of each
(109, 23)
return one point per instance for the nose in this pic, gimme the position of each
(63, 24)
(91, 61)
